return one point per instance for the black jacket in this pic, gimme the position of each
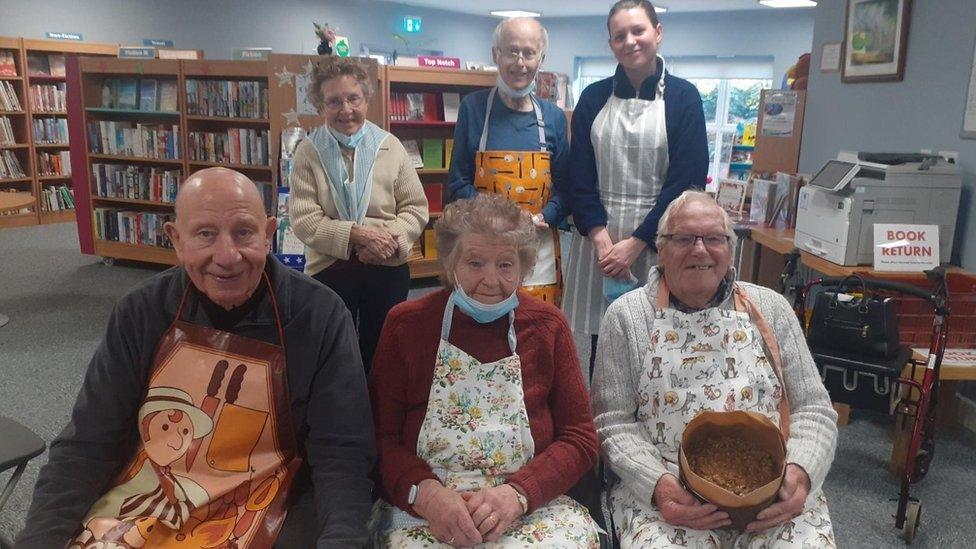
(326, 381)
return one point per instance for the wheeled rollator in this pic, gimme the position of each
(919, 394)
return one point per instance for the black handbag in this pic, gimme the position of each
(865, 326)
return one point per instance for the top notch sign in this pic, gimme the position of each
(438, 62)
(909, 248)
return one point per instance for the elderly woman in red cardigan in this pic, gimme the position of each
(482, 418)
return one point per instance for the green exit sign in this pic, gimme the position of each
(411, 24)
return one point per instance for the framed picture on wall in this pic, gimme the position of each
(876, 40)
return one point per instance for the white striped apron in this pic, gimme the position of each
(630, 143)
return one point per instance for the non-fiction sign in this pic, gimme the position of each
(438, 62)
(136, 53)
(157, 42)
(906, 248)
(64, 35)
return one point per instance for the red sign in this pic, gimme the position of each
(431, 61)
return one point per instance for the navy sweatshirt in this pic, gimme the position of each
(510, 131)
(687, 148)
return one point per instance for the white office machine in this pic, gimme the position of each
(837, 210)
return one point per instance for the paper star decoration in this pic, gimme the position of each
(309, 67)
(291, 117)
(285, 78)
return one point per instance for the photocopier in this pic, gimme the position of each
(837, 210)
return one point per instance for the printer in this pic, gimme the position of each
(837, 210)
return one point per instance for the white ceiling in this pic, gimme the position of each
(567, 8)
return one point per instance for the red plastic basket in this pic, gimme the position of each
(915, 315)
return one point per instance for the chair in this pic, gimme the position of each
(19, 446)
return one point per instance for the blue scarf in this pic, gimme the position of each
(351, 195)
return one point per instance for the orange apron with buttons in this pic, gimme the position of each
(525, 177)
(216, 453)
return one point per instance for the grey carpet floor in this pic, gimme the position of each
(59, 300)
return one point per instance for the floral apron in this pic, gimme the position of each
(525, 177)
(474, 435)
(216, 453)
(714, 359)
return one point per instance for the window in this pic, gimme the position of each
(730, 89)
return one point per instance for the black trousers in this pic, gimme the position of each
(369, 292)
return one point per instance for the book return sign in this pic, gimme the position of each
(905, 248)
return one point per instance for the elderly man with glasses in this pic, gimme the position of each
(694, 339)
(507, 141)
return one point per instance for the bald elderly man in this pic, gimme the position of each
(227, 396)
(508, 141)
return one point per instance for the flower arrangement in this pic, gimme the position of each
(327, 38)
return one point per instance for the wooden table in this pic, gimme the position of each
(13, 202)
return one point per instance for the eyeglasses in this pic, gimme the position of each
(527, 56)
(337, 103)
(711, 241)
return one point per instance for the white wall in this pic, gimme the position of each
(782, 34)
(922, 112)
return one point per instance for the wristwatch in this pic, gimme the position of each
(523, 501)
(412, 495)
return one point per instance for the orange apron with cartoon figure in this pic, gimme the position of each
(216, 453)
(524, 177)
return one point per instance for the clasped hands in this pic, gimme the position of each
(679, 507)
(615, 259)
(372, 244)
(467, 518)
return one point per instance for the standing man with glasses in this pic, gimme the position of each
(509, 142)
(356, 201)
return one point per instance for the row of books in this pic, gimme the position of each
(58, 198)
(55, 163)
(6, 132)
(132, 227)
(156, 141)
(51, 130)
(235, 146)
(10, 167)
(136, 182)
(8, 63)
(48, 97)
(436, 153)
(8, 97)
(45, 64)
(143, 94)
(231, 98)
(429, 106)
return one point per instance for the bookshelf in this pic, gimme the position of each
(45, 84)
(407, 87)
(129, 130)
(15, 133)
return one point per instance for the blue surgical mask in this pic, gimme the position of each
(512, 92)
(615, 287)
(481, 312)
(349, 141)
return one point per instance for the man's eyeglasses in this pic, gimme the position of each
(711, 241)
(337, 103)
(527, 56)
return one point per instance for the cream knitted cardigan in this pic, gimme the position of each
(626, 442)
(396, 203)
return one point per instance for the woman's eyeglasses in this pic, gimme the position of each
(711, 241)
(337, 103)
